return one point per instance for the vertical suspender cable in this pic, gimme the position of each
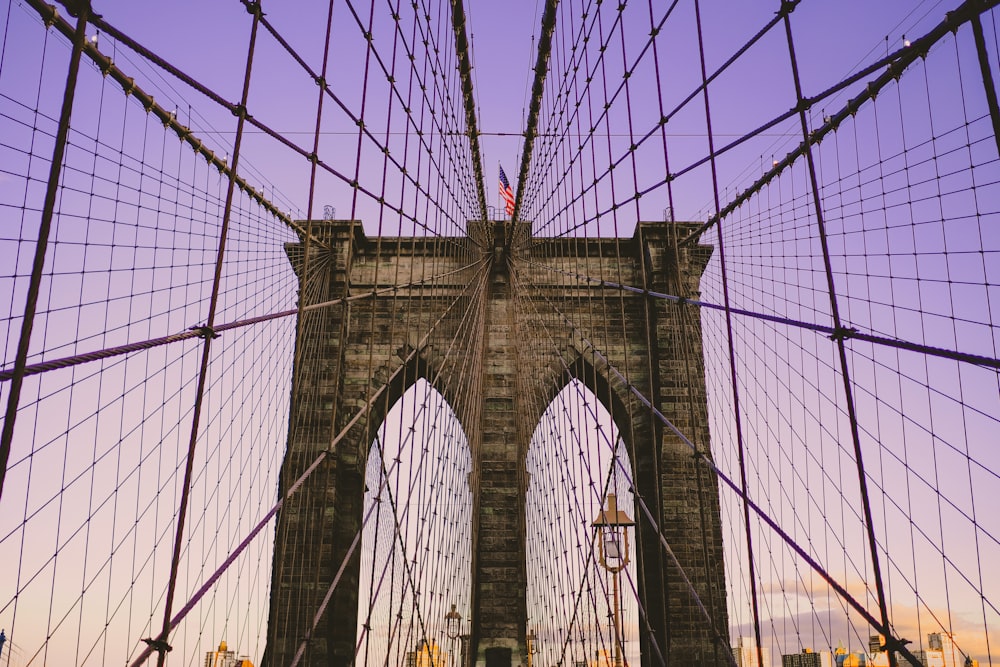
(305, 291)
(44, 229)
(786, 8)
(160, 643)
(751, 564)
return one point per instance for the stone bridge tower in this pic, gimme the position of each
(517, 367)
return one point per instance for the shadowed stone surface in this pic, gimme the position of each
(500, 348)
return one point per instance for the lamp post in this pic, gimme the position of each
(532, 650)
(453, 628)
(465, 649)
(612, 526)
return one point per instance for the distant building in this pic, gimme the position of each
(941, 641)
(429, 654)
(808, 658)
(745, 653)
(927, 658)
(854, 660)
(880, 659)
(602, 658)
(877, 655)
(839, 655)
(841, 658)
(940, 652)
(223, 657)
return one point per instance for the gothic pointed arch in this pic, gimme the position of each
(576, 460)
(498, 354)
(596, 375)
(416, 542)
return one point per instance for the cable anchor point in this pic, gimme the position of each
(204, 331)
(158, 645)
(843, 333)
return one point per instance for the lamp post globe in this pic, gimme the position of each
(453, 628)
(612, 525)
(453, 623)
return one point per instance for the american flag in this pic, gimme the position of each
(506, 192)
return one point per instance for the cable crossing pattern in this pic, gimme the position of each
(282, 384)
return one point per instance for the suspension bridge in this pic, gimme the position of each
(287, 380)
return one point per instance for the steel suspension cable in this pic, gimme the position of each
(756, 509)
(841, 350)
(41, 246)
(160, 644)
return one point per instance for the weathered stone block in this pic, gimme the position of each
(617, 343)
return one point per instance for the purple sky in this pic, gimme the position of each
(921, 417)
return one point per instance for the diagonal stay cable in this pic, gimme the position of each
(198, 594)
(894, 65)
(78, 37)
(49, 14)
(537, 90)
(690, 587)
(364, 410)
(918, 49)
(322, 82)
(51, 17)
(201, 332)
(472, 307)
(161, 645)
(834, 333)
(469, 100)
(761, 514)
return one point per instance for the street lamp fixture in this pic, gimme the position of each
(612, 526)
(453, 628)
(530, 638)
(453, 623)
